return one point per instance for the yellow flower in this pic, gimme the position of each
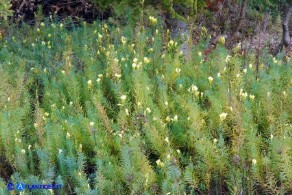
(227, 59)
(148, 110)
(221, 40)
(274, 60)
(172, 43)
(118, 75)
(204, 30)
(175, 118)
(284, 93)
(123, 40)
(159, 163)
(167, 119)
(223, 116)
(251, 97)
(210, 79)
(23, 151)
(91, 124)
(254, 161)
(152, 20)
(35, 125)
(237, 48)
(89, 83)
(230, 108)
(193, 88)
(123, 97)
(244, 95)
(167, 140)
(166, 103)
(146, 60)
(215, 140)
(177, 70)
(127, 111)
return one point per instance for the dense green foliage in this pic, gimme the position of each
(5, 9)
(109, 109)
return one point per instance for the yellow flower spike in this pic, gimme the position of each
(153, 21)
(89, 83)
(221, 40)
(175, 118)
(227, 59)
(284, 93)
(166, 139)
(166, 103)
(148, 110)
(223, 116)
(167, 119)
(123, 40)
(118, 75)
(123, 97)
(127, 112)
(254, 162)
(215, 140)
(146, 60)
(159, 163)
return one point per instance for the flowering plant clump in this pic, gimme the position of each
(105, 108)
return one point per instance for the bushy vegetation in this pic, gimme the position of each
(5, 9)
(109, 109)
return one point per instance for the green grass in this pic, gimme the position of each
(107, 109)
